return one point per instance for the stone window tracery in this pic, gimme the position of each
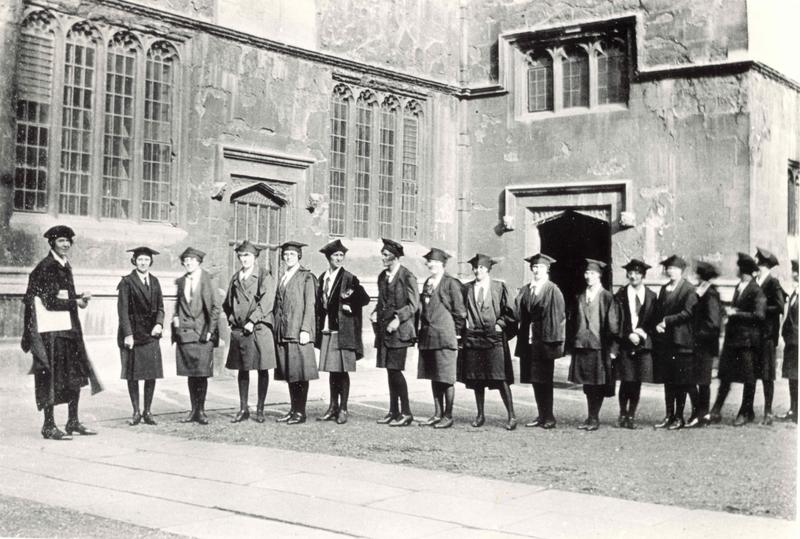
(95, 122)
(373, 164)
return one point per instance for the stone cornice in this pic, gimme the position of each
(272, 158)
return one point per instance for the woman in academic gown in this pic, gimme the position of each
(140, 306)
(789, 333)
(539, 307)
(594, 340)
(486, 358)
(707, 325)
(340, 299)
(441, 324)
(195, 331)
(295, 328)
(248, 307)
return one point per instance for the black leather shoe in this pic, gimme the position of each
(538, 422)
(202, 418)
(402, 421)
(147, 417)
(511, 424)
(622, 421)
(54, 433)
(713, 418)
(585, 424)
(592, 425)
(767, 420)
(77, 426)
(285, 418)
(297, 419)
(665, 423)
(190, 418)
(677, 424)
(388, 418)
(430, 422)
(630, 423)
(341, 417)
(548, 424)
(135, 419)
(241, 415)
(259, 417)
(329, 415)
(479, 421)
(445, 423)
(788, 416)
(696, 423)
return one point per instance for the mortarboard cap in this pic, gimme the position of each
(595, 265)
(705, 270)
(336, 246)
(59, 231)
(436, 254)
(293, 246)
(393, 247)
(191, 251)
(746, 263)
(142, 251)
(248, 247)
(674, 261)
(481, 260)
(540, 258)
(634, 264)
(766, 258)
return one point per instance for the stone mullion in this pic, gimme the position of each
(56, 119)
(558, 55)
(592, 51)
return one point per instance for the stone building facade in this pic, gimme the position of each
(601, 129)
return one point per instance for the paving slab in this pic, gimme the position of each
(245, 527)
(343, 489)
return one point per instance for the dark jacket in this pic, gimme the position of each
(295, 307)
(775, 301)
(201, 316)
(399, 298)
(345, 290)
(139, 309)
(607, 338)
(443, 315)
(744, 326)
(541, 318)
(250, 301)
(676, 309)
(789, 330)
(476, 336)
(647, 320)
(708, 321)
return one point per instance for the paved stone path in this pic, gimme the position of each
(204, 489)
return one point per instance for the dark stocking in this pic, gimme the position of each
(480, 393)
(680, 400)
(722, 394)
(149, 391)
(748, 396)
(344, 390)
(438, 399)
(539, 397)
(49, 420)
(192, 382)
(402, 392)
(263, 386)
(703, 399)
(769, 393)
(72, 407)
(508, 400)
(333, 388)
(634, 392)
(623, 398)
(669, 400)
(694, 398)
(133, 393)
(793, 395)
(391, 375)
(244, 389)
(449, 393)
(292, 397)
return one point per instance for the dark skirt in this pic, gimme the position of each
(195, 359)
(587, 367)
(789, 368)
(634, 366)
(334, 359)
(675, 367)
(296, 362)
(391, 358)
(255, 351)
(66, 376)
(437, 365)
(485, 367)
(537, 368)
(703, 363)
(143, 362)
(739, 364)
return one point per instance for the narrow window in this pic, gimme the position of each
(576, 78)
(794, 198)
(77, 120)
(118, 132)
(158, 144)
(612, 75)
(540, 83)
(34, 93)
(408, 205)
(337, 194)
(387, 168)
(361, 192)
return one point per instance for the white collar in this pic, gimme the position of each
(536, 285)
(332, 274)
(760, 279)
(290, 272)
(142, 277)
(634, 292)
(434, 280)
(61, 260)
(244, 275)
(703, 287)
(391, 272)
(591, 293)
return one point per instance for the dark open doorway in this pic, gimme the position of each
(570, 238)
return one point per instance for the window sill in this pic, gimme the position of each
(572, 111)
(153, 234)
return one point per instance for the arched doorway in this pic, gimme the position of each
(570, 237)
